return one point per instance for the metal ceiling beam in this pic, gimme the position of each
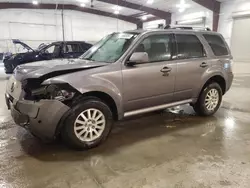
(156, 12)
(69, 7)
(214, 6)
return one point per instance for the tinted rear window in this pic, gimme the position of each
(189, 46)
(217, 44)
(85, 46)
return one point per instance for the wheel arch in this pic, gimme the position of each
(107, 99)
(218, 79)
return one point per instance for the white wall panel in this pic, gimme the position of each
(241, 39)
(43, 26)
(228, 9)
(153, 24)
(49, 32)
(194, 13)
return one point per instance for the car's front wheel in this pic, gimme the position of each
(88, 124)
(209, 100)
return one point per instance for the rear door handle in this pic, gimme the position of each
(166, 69)
(203, 65)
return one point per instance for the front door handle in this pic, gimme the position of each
(203, 65)
(166, 70)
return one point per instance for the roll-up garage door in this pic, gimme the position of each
(240, 42)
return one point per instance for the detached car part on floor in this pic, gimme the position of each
(55, 50)
(125, 74)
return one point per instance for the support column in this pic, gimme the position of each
(168, 21)
(216, 17)
(139, 25)
(213, 5)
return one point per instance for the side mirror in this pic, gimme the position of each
(137, 58)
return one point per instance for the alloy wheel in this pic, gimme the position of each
(212, 99)
(89, 125)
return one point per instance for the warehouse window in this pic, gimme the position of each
(217, 44)
(189, 46)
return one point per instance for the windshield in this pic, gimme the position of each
(110, 48)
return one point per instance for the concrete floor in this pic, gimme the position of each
(162, 150)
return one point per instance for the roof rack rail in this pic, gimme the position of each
(187, 27)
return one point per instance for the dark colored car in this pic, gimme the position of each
(55, 50)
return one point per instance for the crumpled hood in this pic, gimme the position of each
(53, 68)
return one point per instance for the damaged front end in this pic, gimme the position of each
(40, 108)
(38, 104)
(63, 92)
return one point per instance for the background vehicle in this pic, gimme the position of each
(55, 50)
(125, 74)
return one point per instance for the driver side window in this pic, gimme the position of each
(50, 50)
(158, 47)
(54, 51)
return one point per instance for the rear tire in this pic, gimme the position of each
(88, 124)
(209, 100)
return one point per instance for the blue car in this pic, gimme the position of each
(55, 50)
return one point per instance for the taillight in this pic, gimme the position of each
(229, 65)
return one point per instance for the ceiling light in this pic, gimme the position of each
(182, 6)
(150, 1)
(116, 12)
(82, 5)
(144, 17)
(117, 8)
(181, 9)
(35, 2)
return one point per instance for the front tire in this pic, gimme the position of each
(88, 124)
(209, 100)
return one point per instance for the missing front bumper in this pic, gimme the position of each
(41, 118)
(20, 119)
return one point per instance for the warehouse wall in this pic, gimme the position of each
(153, 24)
(43, 26)
(228, 9)
(190, 16)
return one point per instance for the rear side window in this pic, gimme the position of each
(76, 48)
(189, 46)
(85, 46)
(217, 44)
(69, 48)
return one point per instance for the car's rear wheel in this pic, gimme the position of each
(88, 124)
(209, 100)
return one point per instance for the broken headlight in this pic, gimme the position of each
(61, 92)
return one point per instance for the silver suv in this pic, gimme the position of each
(123, 75)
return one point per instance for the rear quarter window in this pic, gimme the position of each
(217, 44)
(85, 46)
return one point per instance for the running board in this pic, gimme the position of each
(154, 108)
